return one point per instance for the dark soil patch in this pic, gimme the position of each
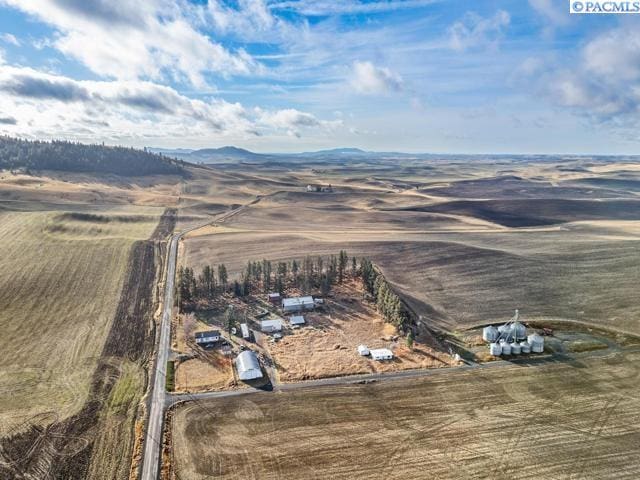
(538, 212)
(510, 187)
(166, 224)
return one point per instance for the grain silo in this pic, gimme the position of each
(536, 342)
(515, 348)
(506, 347)
(495, 349)
(490, 334)
(525, 347)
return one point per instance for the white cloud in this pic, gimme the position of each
(474, 31)
(602, 81)
(9, 38)
(552, 11)
(60, 106)
(137, 40)
(340, 7)
(293, 121)
(366, 78)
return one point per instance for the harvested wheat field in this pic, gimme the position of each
(327, 345)
(559, 420)
(76, 295)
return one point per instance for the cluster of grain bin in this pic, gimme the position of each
(511, 339)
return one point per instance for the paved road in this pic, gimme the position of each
(153, 441)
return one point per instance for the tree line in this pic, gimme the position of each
(27, 155)
(387, 301)
(310, 274)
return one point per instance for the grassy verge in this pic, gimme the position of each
(170, 379)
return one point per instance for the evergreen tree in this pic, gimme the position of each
(410, 339)
(223, 277)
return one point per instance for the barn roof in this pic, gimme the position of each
(290, 302)
(208, 333)
(246, 361)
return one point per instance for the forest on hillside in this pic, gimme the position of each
(18, 154)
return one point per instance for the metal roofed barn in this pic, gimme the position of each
(248, 366)
(271, 325)
(296, 320)
(298, 304)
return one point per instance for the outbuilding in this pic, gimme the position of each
(275, 299)
(381, 354)
(271, 325)
(248, 366)
(296, 320)
(207, 338)
(363, 350)
(244, 329)
(298, 304)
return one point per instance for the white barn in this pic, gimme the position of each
(248, 366)
(296, 320)
(298, 304)
(272, 325)
(381, 354)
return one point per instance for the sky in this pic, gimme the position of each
(438, 76)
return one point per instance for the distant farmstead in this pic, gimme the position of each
(298, 304)
(248, 366)
(207, 338)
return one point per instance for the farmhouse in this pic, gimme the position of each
(272, 325)
(248, 366)
(298, 304)
(207, 338)
(275, 298)
(296, 320)
(381, 354)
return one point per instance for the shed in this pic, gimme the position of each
(298, 304)
(207, 338)
(244, 328)
(271, 325)
(248, 366)
(296, 320)
(275, 298)
(363, 350)
(381, 354)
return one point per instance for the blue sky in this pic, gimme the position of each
(294, 75)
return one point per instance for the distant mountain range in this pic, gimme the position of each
(234, 154)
